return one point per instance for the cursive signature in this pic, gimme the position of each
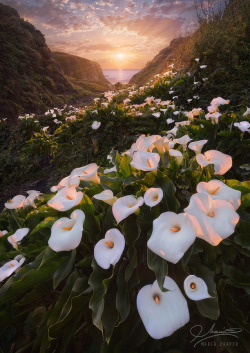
(198, 334)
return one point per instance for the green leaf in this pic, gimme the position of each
(125, 167)
(63, 271)
(91, 223)
(159, 266)
(46, 223)
(99, 280)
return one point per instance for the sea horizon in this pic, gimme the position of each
(119, 75)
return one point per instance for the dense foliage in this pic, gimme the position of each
(61, 301)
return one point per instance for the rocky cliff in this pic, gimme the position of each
(30, 79)
(79, 68)
(158, 64)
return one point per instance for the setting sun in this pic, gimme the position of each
(120, 56)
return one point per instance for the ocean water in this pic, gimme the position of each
(122, 76)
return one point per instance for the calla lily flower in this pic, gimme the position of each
(17, 202)
(162, 145)
(177, 155)
(172, 131)
(110, 170)
(222, 162)
(195, 288)
(156, 115)
(143, 143)
(33, 194)
(86, 173)
(153, 196)
(247, 112)
(219, 101)
(106, 196)
(214, 220)
(146, 161)
(68, 181)
(96, 125)
(213, 116)
(66, 233)
(196, 146)
(65, 199)
(3, 232)
(169, 121)
(184, 140)
(15, 238)
(172, 235)
(243, 126)
(220, 191)
(11, 266)
(125, 206)
(162, 313)
(108, 251)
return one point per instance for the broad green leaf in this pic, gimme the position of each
(63, 271)
(159, 266)
(46, 223)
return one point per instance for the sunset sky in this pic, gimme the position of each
(122, 34)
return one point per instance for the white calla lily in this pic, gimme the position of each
(145, 161)
(108, 251)
(3, 232)
(219, 101)
(66, 233)
(96, 125)
(176, 154)
(17, 202)
(11, 266)
(65, 199)
(153, 196)
(125, 206)
(86, 173)
(143, 143)
(222, 162)
(214, 220)
(172, 235)
(196, 288)
(162, 145)
(15, 238)
(110, 170)
(184, 140)
(196, 146)
(247, 112)
(214, 117)
(243, 126)
(106, 196)
(220, 191)
(73, 181)
(30, 200)
(162, 313)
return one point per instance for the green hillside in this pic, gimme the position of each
(222, 43)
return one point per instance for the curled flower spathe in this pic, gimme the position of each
(214, 220)
(65, 199)
(195, 288)
(145, 161)
(108, 251)
(86, 173)
(106, 196)
(153, 196)
(15, 238)
(96, 125)
(220, 191)
(11, 266)
(66, 233)
(125, 206)
(172, 235)
(196, 146)
(222, 162)
(162, 313)
(68, 181)
(17, 202)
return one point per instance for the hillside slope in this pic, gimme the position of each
(222, 43)
(30, 80)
